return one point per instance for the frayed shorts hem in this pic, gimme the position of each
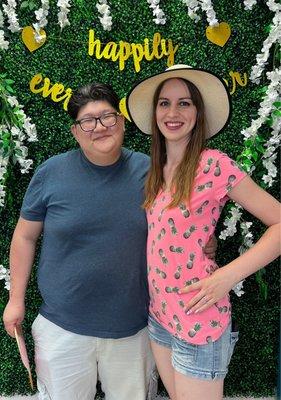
(204, 375)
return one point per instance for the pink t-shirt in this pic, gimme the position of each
(174, 250)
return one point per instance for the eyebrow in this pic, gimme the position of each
(181, 98)
(90, 115)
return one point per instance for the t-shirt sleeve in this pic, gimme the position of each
(226, 175)
(33, 207)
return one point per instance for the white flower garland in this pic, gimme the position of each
(105, 18)
(193, 7)
(10, 11)
(4, 44)
(41, 16)
(24, 130)
(266, 107)
(273, 37)
(248, 4)
(206, 5)
(64, 6)
(5, 274)
(160, 18)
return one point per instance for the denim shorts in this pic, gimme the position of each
(208, 361)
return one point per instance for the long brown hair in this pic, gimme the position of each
(184, 175)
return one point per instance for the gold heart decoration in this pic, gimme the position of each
(28, 38)
(123, 108)
(218, 34)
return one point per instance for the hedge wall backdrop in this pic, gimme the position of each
(121, 42)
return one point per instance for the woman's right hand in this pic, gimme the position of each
(13, 316)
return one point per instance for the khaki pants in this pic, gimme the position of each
(68, 365)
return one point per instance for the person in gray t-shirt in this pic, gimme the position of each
(92, 268)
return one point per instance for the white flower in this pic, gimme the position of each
(1, 19)
(248, 4)
(157, 12)
(105, 18)
(3, 272)
(238, 289)
(4, 44)
(12, 100)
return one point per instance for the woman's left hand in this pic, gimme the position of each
(211, 290)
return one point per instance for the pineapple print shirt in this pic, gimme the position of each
(175, 257)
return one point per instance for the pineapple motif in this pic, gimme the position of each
(163, 198)
(200, 210)
(221, 310)
(181, 303)
(152, 246)
(164, 259)
(174, 249)
(214, 209)
(152, 208)
(189, 231)
(157, 290)
(176, 319)
(196, 328)
(161, 273)
(211, 269)
(193, 280)
(177, 274)
(171, 222)
(151, 226)
(215, 324)
(214, 222)
(170, 289)
(231, 179)
(170, 325)
(161, 214)
(209, 339)
(207, 167)
(161, 234)
(206, 228)
(148, 269)
(207, 185)
(217, 171)
(189, 264)
(185, 212)
(200, 243)
(157, 314)
(163, 307)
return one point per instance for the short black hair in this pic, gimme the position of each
(92, 92)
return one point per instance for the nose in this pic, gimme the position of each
(172, 110)
(99, 126)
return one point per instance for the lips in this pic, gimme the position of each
(173, 125)
(100, 137)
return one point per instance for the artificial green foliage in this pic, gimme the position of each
(64, 59)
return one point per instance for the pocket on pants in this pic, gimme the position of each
(234, 336)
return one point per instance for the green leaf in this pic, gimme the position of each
(24, 4)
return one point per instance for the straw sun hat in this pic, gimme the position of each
(212, 88)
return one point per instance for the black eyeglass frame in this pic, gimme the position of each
(78, 122)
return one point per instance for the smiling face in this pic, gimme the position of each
(101, 145)
(175, 112)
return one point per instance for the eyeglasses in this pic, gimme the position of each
(89, 124)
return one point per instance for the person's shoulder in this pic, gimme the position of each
(213, 153)
(59, 159)
(136, 156)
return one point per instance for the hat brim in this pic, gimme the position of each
(216, 98)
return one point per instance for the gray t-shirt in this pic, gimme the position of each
(92, 269)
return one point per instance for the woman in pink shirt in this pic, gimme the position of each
(187, 186)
